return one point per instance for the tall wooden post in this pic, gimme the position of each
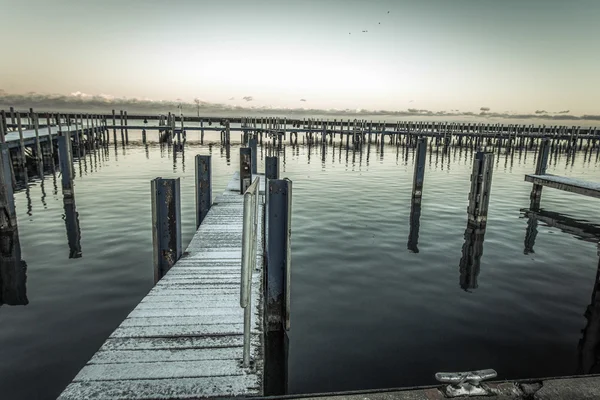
(245, 169)
(66, 164)
(253, 154)
(278, 270)
(8, 216)
(126, 129)
(419, 176)
(3, 129)
(203, 187)
(122, 130)
(36, 127)
(166, 224)
(21, 142)
(540, 169)
(481, 185)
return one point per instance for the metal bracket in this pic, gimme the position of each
(466, 383)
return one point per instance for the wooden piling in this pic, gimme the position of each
(166, 224)
(245, 169)
(21, 142)
(203, 187)
(419, 174)
(65, 159)
(3, 129)
(540, 169)
(481, 184)
(126, 129)
(122, 130)
(277, 288)
(8, 216)
(253, 154)
(272, 168)
(38, 148)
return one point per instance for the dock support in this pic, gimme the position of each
(166, 224)
(34, 121)
(540, 169)
(245, 169)
(481, 184)
(203, 187)
(419, 176)
(65, 159)
(277, 289)
(8, 216)
(253, 154)
(272, 168)
(126, 130)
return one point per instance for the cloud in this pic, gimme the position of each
(104, 103)
(232, 98)
(484, 109)
(302, 99)
(248, 98)
(564, 112)
(541, 112)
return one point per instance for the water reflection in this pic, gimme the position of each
(589, 345)
(470, 261)
(71, 218)
(415, 222)
(13, 270)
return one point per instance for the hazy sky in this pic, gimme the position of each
(509, 55)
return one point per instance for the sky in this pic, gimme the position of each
(509, 56)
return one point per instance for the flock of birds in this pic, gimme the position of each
(366, 31)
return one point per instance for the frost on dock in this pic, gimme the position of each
(185, 338)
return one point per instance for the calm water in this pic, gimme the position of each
(367, 312)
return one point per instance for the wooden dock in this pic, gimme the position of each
(573, 185)
(185, 338)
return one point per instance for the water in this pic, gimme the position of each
(366, 311)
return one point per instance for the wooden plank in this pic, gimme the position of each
(180, 388)
(572, 185)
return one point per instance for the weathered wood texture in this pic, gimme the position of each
(573, 185)
(184, 340)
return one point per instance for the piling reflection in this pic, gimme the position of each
(470, 261)
(13, 270)
(589, 344)
(71, 218)
(415, 222)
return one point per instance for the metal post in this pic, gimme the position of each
(203, 187)
(278, 269)
(245, 169)
(253, 154)
(8, 216)
(540, 169)
(419, 176)
(65, 163)
(272, 168)
(166, 224)
(481, 184)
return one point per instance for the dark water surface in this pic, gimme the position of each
(367, 312)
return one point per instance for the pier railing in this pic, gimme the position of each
(249, 252)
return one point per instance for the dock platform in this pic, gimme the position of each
(185, 338)
(573, 185)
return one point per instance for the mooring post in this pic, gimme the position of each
(540, 169)
(253, 154)
(278, 269)
(2, 128)
(245, 169)
(34, 120)
(12, 117)
(203, 187)
(227, 132)
(21, 142)
(419, 176)
(8, 216)
(481, 185)
(122, 130)
(66, 164)
(166, 224)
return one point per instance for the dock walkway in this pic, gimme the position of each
(185, 338)
(13, 140)
(573, 185)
